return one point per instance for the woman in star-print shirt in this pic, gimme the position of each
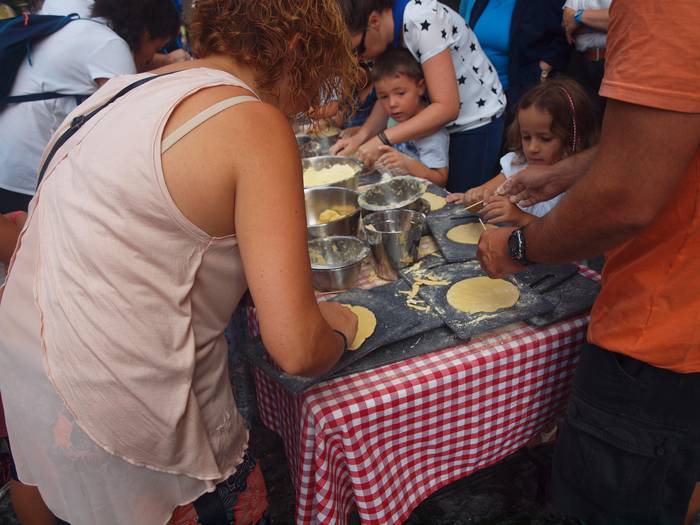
(465, 93)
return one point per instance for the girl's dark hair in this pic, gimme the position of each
(130, 19)
(356, 12)
(572, 114)
(396, 61)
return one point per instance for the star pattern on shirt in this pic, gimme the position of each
(419, 54)
(476, 69)
(457, 48)
(494, 91)
(446, 10)
(454, 30)
(481, 102)
(405, 28)
(424, 25)
(418, 2)
(472, 47)
(481, 80)
(490, 69)
(444, 34)
(461, 80)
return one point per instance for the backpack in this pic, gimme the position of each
(17, 35)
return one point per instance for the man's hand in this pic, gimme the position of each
(493, 253)
(534, 184)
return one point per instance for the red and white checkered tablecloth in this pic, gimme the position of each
(387, 438)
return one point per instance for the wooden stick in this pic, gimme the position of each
(475, 204)
(482, 224)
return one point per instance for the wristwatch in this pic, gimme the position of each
(517, 248)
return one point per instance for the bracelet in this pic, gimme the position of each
(345, 339)
(578, 16)
(385, 140)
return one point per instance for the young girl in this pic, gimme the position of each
(465, 93)
(554, 119)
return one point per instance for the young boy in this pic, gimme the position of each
(400, 86)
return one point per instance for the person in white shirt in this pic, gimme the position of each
(586, 25)
(75, 60)
(553, 120)
(465, 93)
(67, 7)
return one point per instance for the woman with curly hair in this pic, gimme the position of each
(148, 227)
(120, 38)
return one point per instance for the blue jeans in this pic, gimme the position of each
(474, 154)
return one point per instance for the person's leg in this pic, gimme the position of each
(12, 201)
(473, 155)
(29, 506)
(693, 506)
(629, 446)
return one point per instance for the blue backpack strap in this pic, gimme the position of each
(397, 13)
(17, 35)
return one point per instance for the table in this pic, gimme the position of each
(385, 439)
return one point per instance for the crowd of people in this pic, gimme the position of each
(132, 220)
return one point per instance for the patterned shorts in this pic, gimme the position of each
(240, 500)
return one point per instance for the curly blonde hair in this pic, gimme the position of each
(301, 42)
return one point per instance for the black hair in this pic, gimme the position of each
(356, 12)
(396, 61)
(130, 19)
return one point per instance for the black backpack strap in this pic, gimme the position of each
(477, 11)
(48, 95)
(78, 121)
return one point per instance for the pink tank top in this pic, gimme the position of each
(131, 298)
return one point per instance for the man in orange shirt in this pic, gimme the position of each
(629, 448)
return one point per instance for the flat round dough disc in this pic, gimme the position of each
(366, 324)
(482, 294)
(436, 202)
(467, 233)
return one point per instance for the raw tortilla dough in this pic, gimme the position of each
(366, 324)
(333, 214)
(482, 294)
(436, 202)
(467, 233)
(330, 175)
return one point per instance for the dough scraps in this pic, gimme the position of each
(467, 233)
(436, 202)
(330, 175)
(366, 324)
(482, 294)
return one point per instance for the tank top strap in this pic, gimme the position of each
(202, 117)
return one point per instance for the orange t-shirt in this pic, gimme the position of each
(649, 307)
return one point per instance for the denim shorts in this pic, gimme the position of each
(629, 446)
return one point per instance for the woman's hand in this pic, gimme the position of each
(340, 318)
(346, 146)
(370, 151)
(569, 24)
(500, 210)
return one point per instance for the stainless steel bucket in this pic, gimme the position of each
(393, 236)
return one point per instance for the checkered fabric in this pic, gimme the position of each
(387, 438)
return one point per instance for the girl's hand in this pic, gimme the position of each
(340, 318)
(475, 195)
(369, 152)
(454, 197)
(499, 210)
(393, 159)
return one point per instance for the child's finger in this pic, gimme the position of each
(385, 149)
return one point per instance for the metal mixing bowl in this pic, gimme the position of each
(395, 194)
(394, 237)
(327, 161)
(318, 200)
(336, 262)
(310, 146)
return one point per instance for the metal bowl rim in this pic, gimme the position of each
(364, 253)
